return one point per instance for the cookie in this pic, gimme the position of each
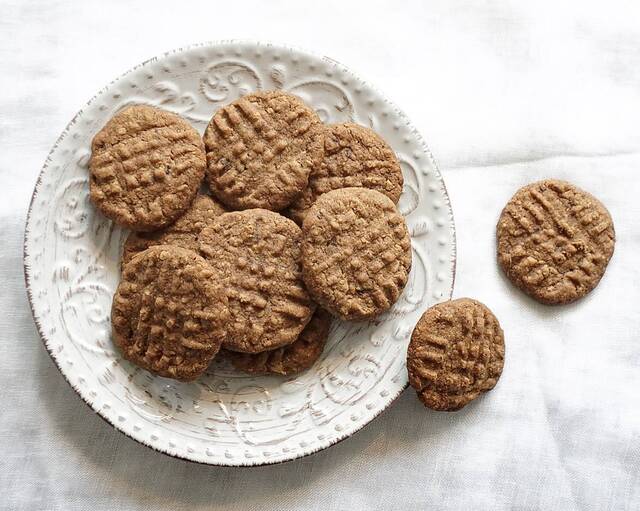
(146, 166)
(257, 252)
(456, 353)
(356, 253)
(554, 241)
(182, 233)
(294, 358)
(261, 149)
(169, 312)
(352, 156)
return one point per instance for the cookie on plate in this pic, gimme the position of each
(146, 166)
(291, 359)
(257, 253)
(352, 156)
(456, 353)
(261, 149)
(356, 253)
(554, 241)
(182, 233)
(169, 312)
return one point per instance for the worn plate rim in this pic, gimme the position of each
(26, 268)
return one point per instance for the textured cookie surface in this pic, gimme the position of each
(260, 150)
(182, 233)
(146, 166)
(258, 253)
(455, 354)
(356, 253)
(290, 359)
(169, 312)
(352, 156)
(554, 241)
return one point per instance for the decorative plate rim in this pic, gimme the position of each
(208, 44)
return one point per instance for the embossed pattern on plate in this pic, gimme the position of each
(71, 258)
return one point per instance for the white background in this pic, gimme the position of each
(504, 93)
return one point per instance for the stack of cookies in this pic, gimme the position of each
(300, 227)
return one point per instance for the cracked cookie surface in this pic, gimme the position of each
(257, 252)
(554, 241)
(352, 156)
(455, 354)
(146, 166)
(182, 233)
(356, 253)
(291, 359)
(169, 312)
(261, 149)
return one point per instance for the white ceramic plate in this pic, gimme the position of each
(71, 259)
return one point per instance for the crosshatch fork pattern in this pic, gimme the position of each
(554, 241)
(261, 150)
(456, 353)
(225, 418)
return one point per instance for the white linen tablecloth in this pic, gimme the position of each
(504, 93)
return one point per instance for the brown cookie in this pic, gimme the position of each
(169, 312)
(554, 241)
(352, 156)
(356, 253)
(291, 359)
(146, 166)
(258, 254)
(182, 233)
(455, 354)
(260, 150)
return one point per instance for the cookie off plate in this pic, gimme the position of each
(72, 253)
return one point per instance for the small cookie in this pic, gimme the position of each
(352, 156)
(258, 254)
(554, 241)
(261, 149)
(169, 312)
(455, 354)
(182, 233)
(146, 166)
(294, 358)
(356, 253)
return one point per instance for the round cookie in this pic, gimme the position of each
(554, 241)
(146, 166)
(455, 354)
(169, 312)
(261, 149)
(257, 252)
(352, 156)
(182, 233)
(356, 253)
(291, 359)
